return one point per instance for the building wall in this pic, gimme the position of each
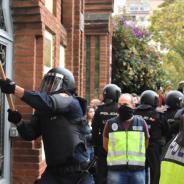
(98, 25)
(65, 22)
(31, 19)
(144, 10)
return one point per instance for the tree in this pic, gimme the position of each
(167, 27)
(136, 66)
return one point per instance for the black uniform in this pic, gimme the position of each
(60, 126)
(173, 100)
(59, 119)
(157, 128)
(102, 114)
(173, 125)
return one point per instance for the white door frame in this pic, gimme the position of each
(6, 39)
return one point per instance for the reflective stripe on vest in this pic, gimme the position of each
(172, 167)
(126, 147)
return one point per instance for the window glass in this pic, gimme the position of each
(62, 56)
(49, 5)
(88, 55)
(2, 58)
(97, 66)
(48, 54)
(2, 21)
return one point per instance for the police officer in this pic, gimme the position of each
(173, 103)
(58, 119)
(172, 165)
(149, 101)
(125, 138)
(107, 110)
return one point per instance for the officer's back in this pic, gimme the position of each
(154, 119)
(149, 102)
(173, 102)
(151, 116)
(104, 112)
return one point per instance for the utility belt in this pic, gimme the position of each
(67, 169)
(126, 168)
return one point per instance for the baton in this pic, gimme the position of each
(8, 96)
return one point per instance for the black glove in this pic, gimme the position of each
(14, 116)
(7, 86)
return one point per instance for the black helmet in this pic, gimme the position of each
(174, 99)
(149, 97)
(111, 92)
(58, 80)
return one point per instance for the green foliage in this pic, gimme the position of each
(173, 64)
(167, 27)
(167, 2)
(136, 66)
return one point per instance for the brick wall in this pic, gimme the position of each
(75, 45)
(101, 6)
(98, 23)
(31, 19)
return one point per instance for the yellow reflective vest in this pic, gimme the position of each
(172, 166)
(126, 147)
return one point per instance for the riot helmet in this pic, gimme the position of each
(149, 97)
(58, 80)
(174, 99)
(111, 93)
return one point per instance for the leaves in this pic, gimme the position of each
(167, 27)
(136, 66)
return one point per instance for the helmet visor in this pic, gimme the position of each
(51, 83)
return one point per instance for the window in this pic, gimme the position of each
(88, 55)
(48, 54)
(62, 56)
(49, 4)
(134, 7)
(144, 7)
(142, 19)
(82, 22)
(2, 58)
(2, 21)
(97, 66)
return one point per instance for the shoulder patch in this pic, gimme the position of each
(114, 127)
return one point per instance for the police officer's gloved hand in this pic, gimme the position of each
(14, 116)
(7, 86)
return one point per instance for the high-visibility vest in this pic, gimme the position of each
(126, 147)
(172, 166)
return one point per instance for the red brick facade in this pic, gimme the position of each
(31, 18)
(98, 24)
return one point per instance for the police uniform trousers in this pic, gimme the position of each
(65, 178)
(101, 170)
(153, 155)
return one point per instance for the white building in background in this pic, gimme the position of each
(118, 6)
(138, 11)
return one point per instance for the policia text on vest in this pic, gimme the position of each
(172, 166)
